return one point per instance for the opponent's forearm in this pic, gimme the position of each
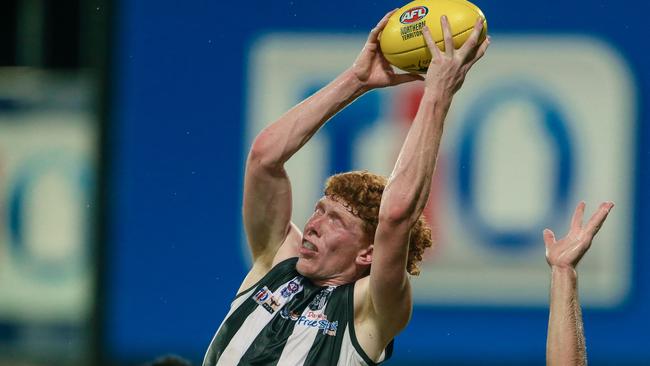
(565, 343)
(280, 140)
(408, 188)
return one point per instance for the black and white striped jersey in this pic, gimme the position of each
(284, 319)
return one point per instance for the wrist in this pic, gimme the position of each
(563, 271)
(438, 98)
(352, 81)
(437, 95)
(439, 86)
(564, 278)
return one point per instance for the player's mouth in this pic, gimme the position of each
(307, 248)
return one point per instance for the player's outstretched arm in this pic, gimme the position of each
(267, 190)
(408, 187)
(565, 343)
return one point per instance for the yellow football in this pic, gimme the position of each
(402, 42)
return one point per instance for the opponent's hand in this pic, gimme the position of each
(567, 252)
(447, 70)
(371, 67)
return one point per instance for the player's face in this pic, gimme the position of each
(332, 240)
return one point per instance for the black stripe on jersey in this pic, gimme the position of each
(326, 349)
(269, 344)
(353, 335)
(275, 278)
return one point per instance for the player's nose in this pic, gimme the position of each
(312, 228)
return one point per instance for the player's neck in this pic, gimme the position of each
(339, 280)
(329, 282)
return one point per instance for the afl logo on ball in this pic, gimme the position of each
(413, 15)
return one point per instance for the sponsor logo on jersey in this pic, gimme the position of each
(293, 287)
(289, 315)
(312, 319)
(413, 15)
(265, 298)
(262, 295)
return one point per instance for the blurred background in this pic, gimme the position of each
(124, 127)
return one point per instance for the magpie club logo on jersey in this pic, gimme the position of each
(321, 298)
(413, 15)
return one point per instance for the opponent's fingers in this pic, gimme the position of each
(472, 41)
(447, 35)
(596, 221)
(549, 237)
(374, 33)
(433, 48)
(576, 220)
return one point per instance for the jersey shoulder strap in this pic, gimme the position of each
(279, 274)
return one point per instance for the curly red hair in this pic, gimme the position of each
(360, 192)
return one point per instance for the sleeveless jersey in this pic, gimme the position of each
(285, 319)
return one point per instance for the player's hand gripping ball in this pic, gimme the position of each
(402, 42)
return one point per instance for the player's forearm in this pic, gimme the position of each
(565, 343)
(280, 140)
(408, 188)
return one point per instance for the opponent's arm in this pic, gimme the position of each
(267, 190)
(565, 344)
(408, 187)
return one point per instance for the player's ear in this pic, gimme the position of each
(364, 257)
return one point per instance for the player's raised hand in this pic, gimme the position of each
(371, 68)
(447, 70)
(567, 252)
(471, 51)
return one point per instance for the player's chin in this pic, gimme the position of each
(305, 267)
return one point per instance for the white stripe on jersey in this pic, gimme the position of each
(233, 306)
(252, 326)
(300, 341)
(349, 355)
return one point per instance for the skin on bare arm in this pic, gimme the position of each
(565, 344)
(385, 296)
(267, 189)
